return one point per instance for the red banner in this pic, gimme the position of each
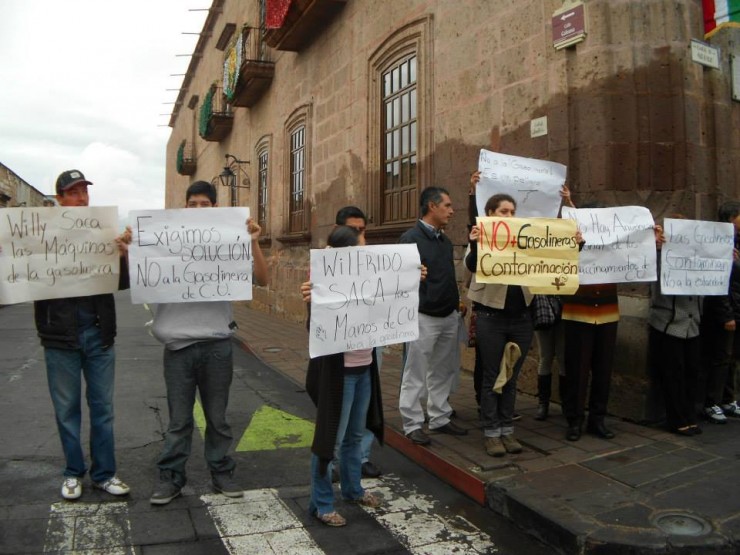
(276, 12)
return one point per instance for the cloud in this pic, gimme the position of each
(83, 86)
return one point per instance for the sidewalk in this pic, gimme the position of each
(645, 491)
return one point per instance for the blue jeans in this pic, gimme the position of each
(208, 367)
(494, 331)
(355, 402)
(368, 436)
(64, 371)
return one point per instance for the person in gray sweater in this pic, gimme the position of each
(197, 355)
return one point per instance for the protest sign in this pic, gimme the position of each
(620, 244)
(534, 184)
(541, 253)
(363, 297)
(696, 258)
(52, 253)
(190, 255)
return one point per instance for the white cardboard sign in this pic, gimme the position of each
(620, 244)
(363, 297)
(57, 252)
(190, 255)
(696, 258)
(534, 184)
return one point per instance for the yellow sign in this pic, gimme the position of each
(541, 253)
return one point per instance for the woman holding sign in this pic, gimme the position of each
(504, 332)
(345, 387)
(675, 349)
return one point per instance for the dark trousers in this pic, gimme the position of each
(717, 378)
(208, 368)
(676, 363)
(589, 350)
(495, 330)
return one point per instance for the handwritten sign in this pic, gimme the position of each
(541, 253)
(363, 297)
(620, 244)
(534, 184)
(190, 255)
(696, 258)
(52, 253)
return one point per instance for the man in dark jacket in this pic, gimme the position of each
(433, 360)
(77, 334)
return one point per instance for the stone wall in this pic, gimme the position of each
(633, 118)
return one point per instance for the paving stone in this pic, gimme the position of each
(168, 526)
(634, 515)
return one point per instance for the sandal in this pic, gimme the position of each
(331, 519)
(367, 500)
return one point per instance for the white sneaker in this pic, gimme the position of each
(715, 415)
(731, 409)
(114, 486)
(72, 488)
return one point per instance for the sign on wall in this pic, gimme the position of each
(52, 253)
(704, 54)
(568, 25)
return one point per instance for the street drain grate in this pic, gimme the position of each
(682, 524)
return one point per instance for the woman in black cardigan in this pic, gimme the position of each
(345, 387)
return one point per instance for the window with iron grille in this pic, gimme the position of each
(400, 134)
(262, 158)
(297, 179)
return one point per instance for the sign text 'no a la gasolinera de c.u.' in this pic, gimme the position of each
(190, 255)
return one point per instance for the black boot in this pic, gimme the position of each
(573, 433)
(596, 427)
(544, 389)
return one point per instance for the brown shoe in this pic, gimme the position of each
(494, 446)
(511, 444)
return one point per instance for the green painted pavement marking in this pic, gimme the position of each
(200, 418)
(272, 428)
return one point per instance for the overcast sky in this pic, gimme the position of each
(82, 84)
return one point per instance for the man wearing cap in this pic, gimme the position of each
(77, 334)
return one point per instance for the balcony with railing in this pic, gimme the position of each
(186, 162)
(216, 117)
(256, 67)
(303, 22)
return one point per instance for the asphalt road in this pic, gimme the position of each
(271, 420)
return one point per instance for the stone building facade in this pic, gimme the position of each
(367, 102)
(15, 191)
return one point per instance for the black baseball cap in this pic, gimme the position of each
(69, 179)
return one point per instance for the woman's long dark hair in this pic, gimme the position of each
(343, 236)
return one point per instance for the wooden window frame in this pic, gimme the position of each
(413, 39)
(300, 118)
